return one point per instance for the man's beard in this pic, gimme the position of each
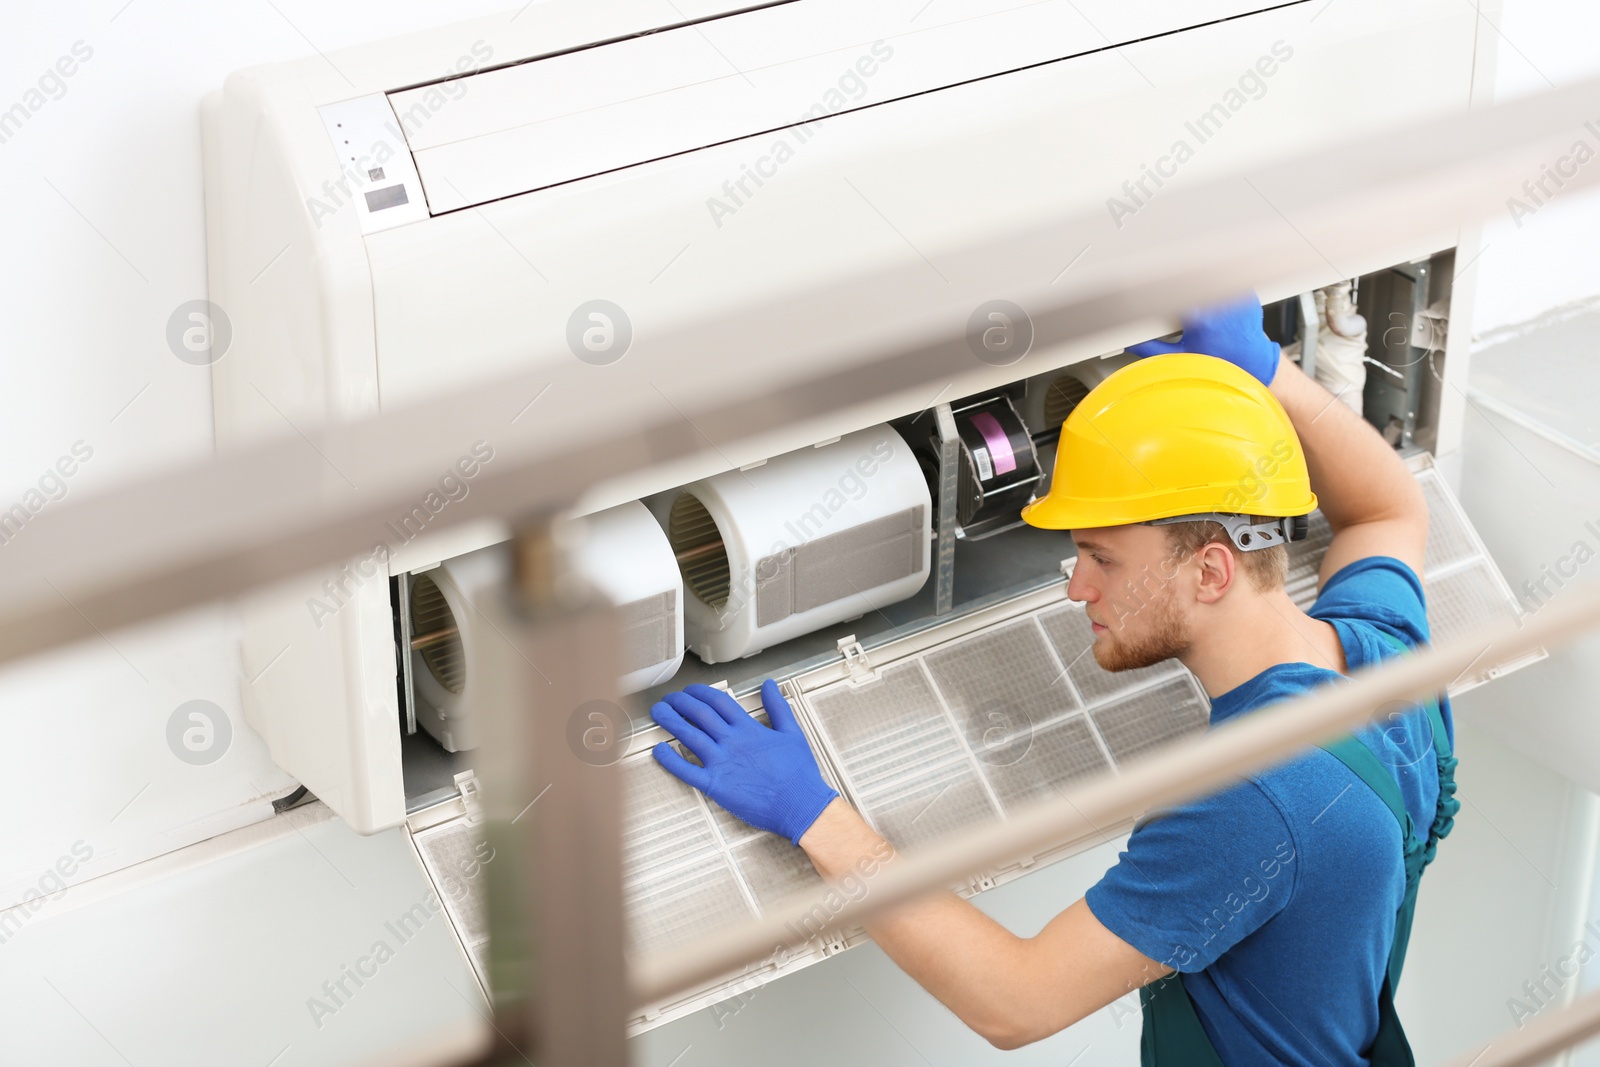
(1164, 639)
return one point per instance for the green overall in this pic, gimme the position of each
(1172, 1035)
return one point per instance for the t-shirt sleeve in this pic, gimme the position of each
(1380, 590)
(1197, 879)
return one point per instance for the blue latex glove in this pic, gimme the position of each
(1230, 331)
(765, 775)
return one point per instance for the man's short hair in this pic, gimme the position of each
(1267, 568)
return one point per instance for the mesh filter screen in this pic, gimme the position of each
(648, 628)
(1000, 684)
(910, 773)
(675, 906)
(1151, 718)
(689, 867)
(692, 869)
(1013, 734)
(1068, 629)
(678, 882)
(454, 857)
(1449, 541)
(888, 730)
(833, 567)
(1048, 759)
(926, 805)
(1463, 599)
(775, 869)
(1460, 582)
(664, 818)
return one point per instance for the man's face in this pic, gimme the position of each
(1127, 579)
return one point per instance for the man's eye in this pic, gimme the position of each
(1101, 560)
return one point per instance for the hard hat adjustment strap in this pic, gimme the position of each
(1248, 535)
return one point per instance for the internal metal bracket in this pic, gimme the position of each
(945, 547)
(408, 685)
(1310, 327)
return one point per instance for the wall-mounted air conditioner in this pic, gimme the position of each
(390, 221)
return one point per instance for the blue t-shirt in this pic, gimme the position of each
(1276, 897)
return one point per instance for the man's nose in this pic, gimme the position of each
(1078, 588)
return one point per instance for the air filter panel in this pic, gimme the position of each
(1460, 581)
(454, 854)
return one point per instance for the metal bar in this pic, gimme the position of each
(402, 610)
(710, 548)
(433, 637)
(1173, 776)
(1310, 327)
(196, 534)
(552, 799)
(944, 558)
(1421, 291)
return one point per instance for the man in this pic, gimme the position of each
(1283, 902)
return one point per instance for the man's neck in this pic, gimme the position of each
(1238, 641)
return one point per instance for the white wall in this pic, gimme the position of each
(103, 239)
(1499, 899)
(1537, 310)
(1540, 44)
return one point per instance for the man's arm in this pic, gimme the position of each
(1011, 990)
(1374, 505)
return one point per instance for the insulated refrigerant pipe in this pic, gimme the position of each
(1237, 748)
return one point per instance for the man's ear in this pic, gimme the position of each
(1217, 571)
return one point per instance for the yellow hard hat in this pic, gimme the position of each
(1170, 436)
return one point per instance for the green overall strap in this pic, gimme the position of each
(1172, 1034)
(1419, 852)
(1390, 1047)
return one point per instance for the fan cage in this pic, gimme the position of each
(430, 613)
(697, 543)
